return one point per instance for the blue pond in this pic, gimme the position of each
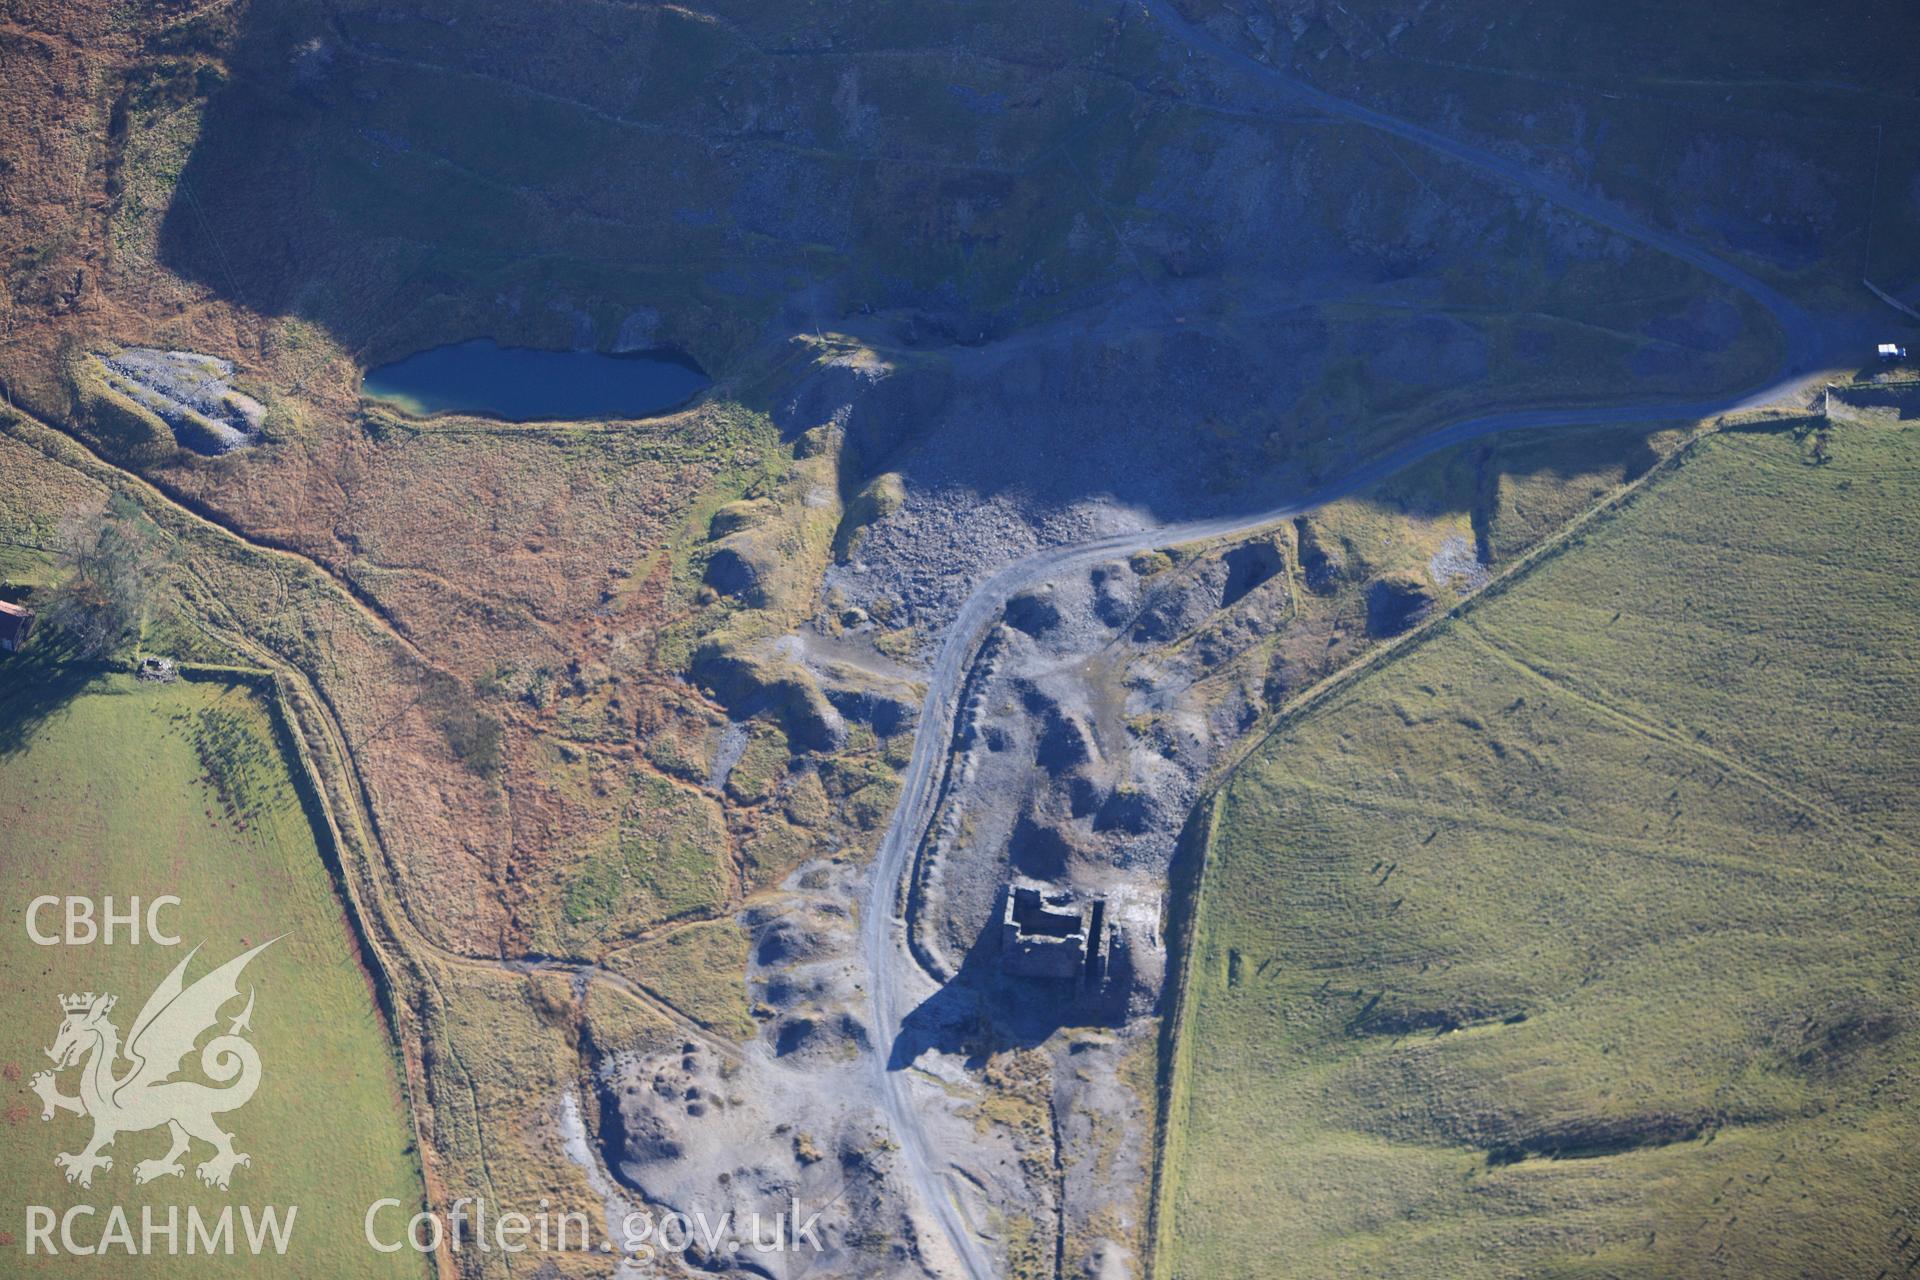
(523, 384)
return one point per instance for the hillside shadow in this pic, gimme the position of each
(383, 177)
(387, 177)
(463, 169)
(375, 175)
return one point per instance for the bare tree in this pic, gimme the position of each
(113, 561)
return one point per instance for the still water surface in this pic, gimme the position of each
(524, 384)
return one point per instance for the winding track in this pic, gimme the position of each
(882, 942)
(395, 916)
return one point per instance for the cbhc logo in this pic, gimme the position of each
(83, 925)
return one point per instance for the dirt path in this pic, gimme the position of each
(192, 512)
(893, 971)
(415, 939)
(1802, 331)
(1805, 806)
(884, 946)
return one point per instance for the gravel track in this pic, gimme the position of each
(883, 945)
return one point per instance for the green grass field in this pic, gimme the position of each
(1580, 939)
(114, 786)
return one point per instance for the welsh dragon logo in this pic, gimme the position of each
(145, 1095)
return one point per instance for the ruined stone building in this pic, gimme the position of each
(1049, 932)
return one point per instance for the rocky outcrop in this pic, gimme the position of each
(191, 393)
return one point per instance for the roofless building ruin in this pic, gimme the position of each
(1050, 932)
